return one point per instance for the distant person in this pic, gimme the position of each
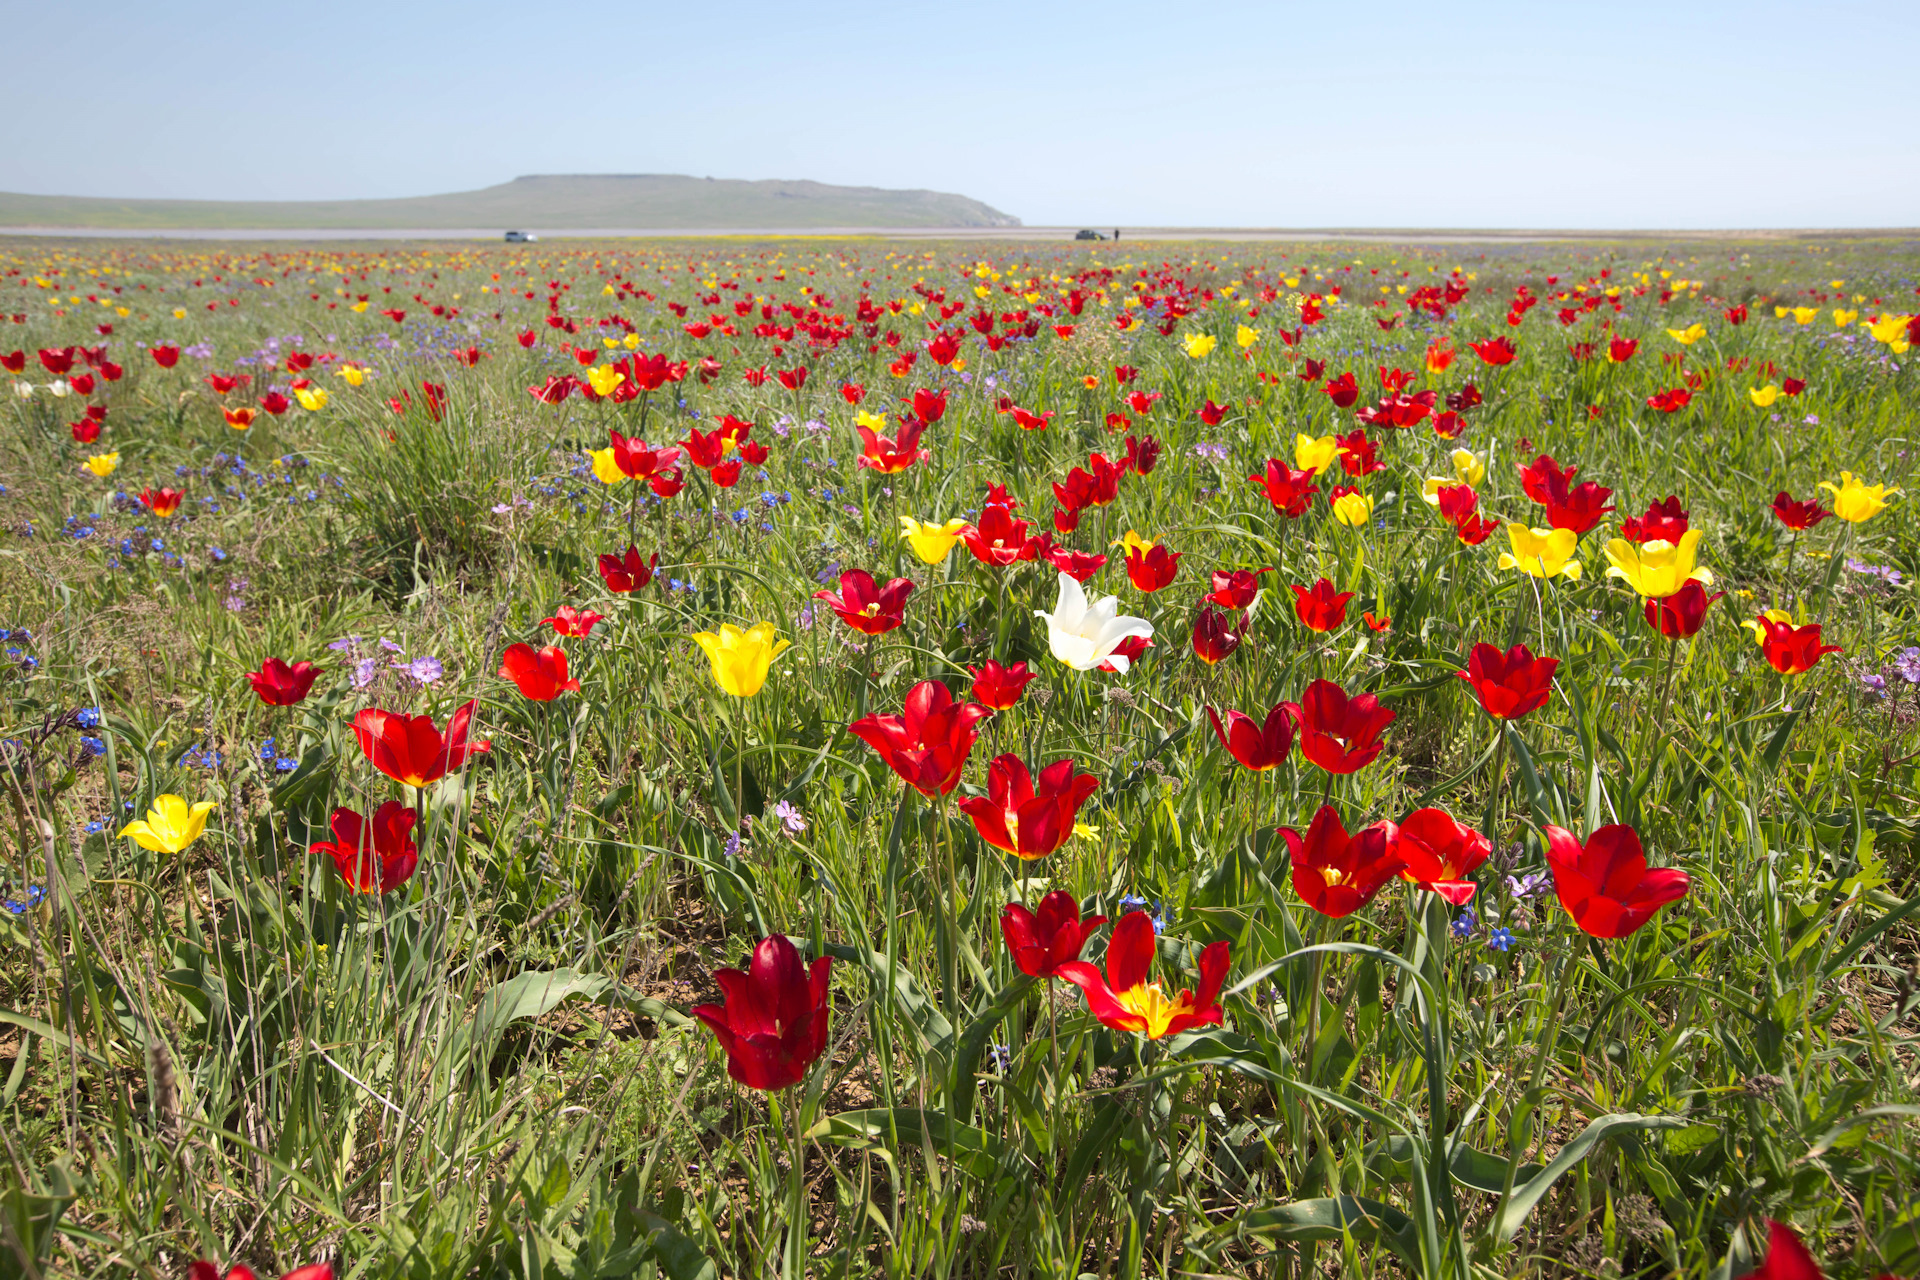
(1116, 233)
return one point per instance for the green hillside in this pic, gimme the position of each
(552, 201)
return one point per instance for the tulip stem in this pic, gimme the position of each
(796, 1259)
(1548, 1045)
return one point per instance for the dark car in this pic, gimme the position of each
(1088, 235)
(521, 237)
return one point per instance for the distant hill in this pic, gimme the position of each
(545, 201)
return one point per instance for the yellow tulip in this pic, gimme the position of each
(361, 307)
(1246, 337)
(1199, 344)
(603, 378)
(1764, 396)
(604, 467)
(170, 826)
(312, 399)
(1841, 319)
(1855, 500)
(1542, 553)
(354, 374)
(740, 658)
(102, 464)
(1771, 615)
(1131, 542)
(1780, 313)
(1688, 336)
(1805, 315)
(1467, 466)
(1658, 568)
(1430, 490)
(1314, 455)
(871, 421)
(179, 313)
(931, 542)
(1353, 510)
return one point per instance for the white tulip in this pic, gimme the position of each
(1083, 637)
(58, 388)
(24, 390)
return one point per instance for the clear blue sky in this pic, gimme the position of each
(1383, 113)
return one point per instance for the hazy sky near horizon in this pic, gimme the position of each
(1470, 114)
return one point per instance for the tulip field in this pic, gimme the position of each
(834, 758)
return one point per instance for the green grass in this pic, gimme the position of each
(605, 201)
(222, 1054)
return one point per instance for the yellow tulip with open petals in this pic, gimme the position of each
(605, 469)
(603, 378)
(1467, 465)
(1199, 345)
(312, 399)
(354, 374)
(170, 826)
(1246, 337)
(102, 464)
(1658, 569)
(1805, 315)
(1764, 396)
(931, 542)
(1314, 455)
(1130, 542)
(1843, 318)
(1688, 336)
(1854, 500)
(1353, 510)
(871, 421)
(741, 658)
(1542, 553)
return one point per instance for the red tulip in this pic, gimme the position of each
(627, 571)
(569, 621)
(1335, 873)
(726, 475)
(1126, 1001)
(541, 674)
(1359, 456)
(1439, 852)
(1537, 478)
(703, 450)
(1153, 569)
(374, 855)
(1216, 634)
(890, 455)
(753, 453)
(667, 483)
(162, 502)
(1665, 521)
(1579, 508)
(1027, 819)
(556, 388)
(852, 392)
(1040, 942)
(204, 1270)
(1143, 454)
(527, 338)
(85, 431)
(1798, 516)
(275, 403)
(1670, 401)
(1341, 734)
(1682, 614)
(999, 539)
(1794, 386)
(1793, 650)
(929, 743)
(239, 418)
(1212, 414)
(1620, 350)
(638, 462)
(999, 688)
(55, 360)
(1291, 492)
(867, 610)
(166, 355)
(410, 749)
(82, 384)
(1495, 351)
(1605, 884)
(1258, 747)
(14, 361)
(280, 685)
(1510, 684)
(1131, 649)
(775, 1019)
(1319, 607)
(792, 379)
(1236, 588)
(1343, 390)
(1078, 565)
(1787, 1258)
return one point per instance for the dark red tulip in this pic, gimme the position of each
(1798, 516)
(1041, 941)
(1216, 634)
(1794, 386)
(541, 674)
(1510, 684)
(1143, 454)
(373, 855)
(928, 744)
(627, 571)
(998, 687)
(1235, 588)
(1439, 852)
(1258, 747)
(1343, 390)
(774, 1022)
(1340, 734)
(1682, 614)
(280, 685)
(1538, 477)
(15, 361)
(1026, 817)
(275, 403)
(869, 610)
(1319, 607)
(1605, 884)
(1335, 873)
